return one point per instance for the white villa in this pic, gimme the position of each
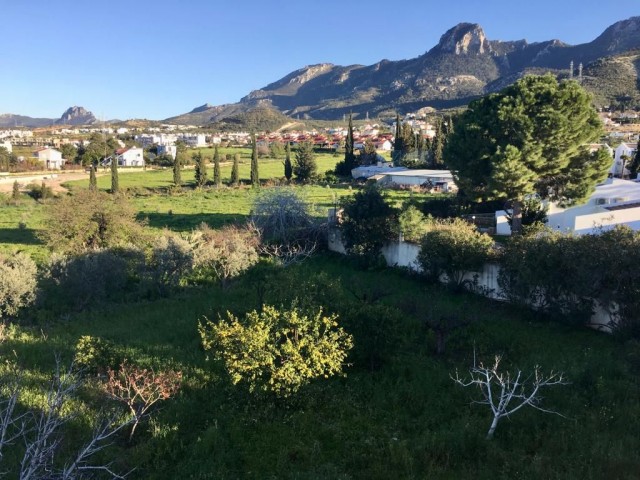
(51, 158)
(130, 157)
(7, 144)
(615, 202)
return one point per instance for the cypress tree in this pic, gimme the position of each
(216, 167)
(115, 187)
(349, 156)
(15, 194)
(177, 174)
(200, 169)
(437, 145)
(255, 178)
(93, 182)
(635, 164)
(288, 168)
(398, 143)
(235, 170)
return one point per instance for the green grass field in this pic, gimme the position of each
(406, 419)
(401, 417)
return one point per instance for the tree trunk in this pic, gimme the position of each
(492, 429)
(516, 219)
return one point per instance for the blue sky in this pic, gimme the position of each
(155, 59)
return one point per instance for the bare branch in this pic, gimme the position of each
(500, 389)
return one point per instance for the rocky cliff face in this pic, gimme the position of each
(464, 39)
(76, 116)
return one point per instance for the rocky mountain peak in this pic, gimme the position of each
(76, 116)
(464, 39)
(620, 36)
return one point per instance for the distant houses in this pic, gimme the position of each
(130, 157)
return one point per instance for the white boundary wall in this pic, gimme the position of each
(405, 254)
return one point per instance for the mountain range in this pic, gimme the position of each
(73, 116)
(464, 65)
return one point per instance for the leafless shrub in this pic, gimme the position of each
(141, 388)
(285, 225)
(506, 393)
(42, 433)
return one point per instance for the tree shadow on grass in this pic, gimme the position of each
(19, 236)
(188, 222)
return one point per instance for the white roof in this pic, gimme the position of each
(617, 188)
(422, 173)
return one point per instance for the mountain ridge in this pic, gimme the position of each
(463, 65)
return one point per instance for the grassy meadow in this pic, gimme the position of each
(399, 417)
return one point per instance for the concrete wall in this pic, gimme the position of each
(405, 254)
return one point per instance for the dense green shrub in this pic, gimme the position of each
(90, 278)
(454, 248)
(368, 222)
(278, 351)
(95, 355)
(18, 283)
(564, 276)
(412, 224)
(91, 220)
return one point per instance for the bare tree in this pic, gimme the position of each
(286, 227)
(141, 388)
(42, 433)
(506, 394)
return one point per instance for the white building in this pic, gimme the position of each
(624, 153)
(615, 202)
(194, 140)
(130, 157)
(51, 158)
(441, 180)
(371, 170)
(7, 144)
(171, 150)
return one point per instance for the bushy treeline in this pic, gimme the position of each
(563, 276)
(101, 252)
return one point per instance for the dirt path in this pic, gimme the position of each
(52, 180)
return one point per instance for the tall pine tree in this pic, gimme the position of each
(235, 170)
(255, 177)
(217, 179)
(115, 186)
(288, 168)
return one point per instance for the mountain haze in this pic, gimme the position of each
(463, 65)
